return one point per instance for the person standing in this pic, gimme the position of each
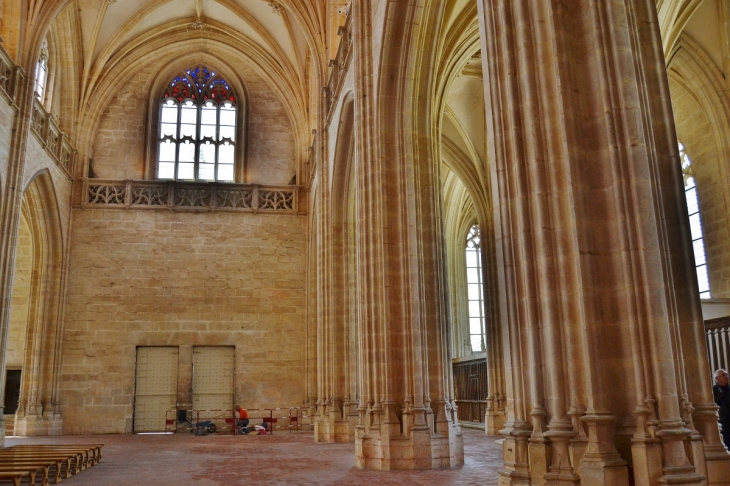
(721, 392)
(242, 419)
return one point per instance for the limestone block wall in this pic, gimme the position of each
(697, 135)
(140, 278)
(119, 147)
(7, 114)
(20, 298)
(38, 160)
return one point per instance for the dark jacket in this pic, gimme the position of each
(722, 400)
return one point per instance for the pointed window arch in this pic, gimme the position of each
(475, 289)
(197, 129)
(695, 223)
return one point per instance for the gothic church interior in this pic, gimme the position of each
(353, 208)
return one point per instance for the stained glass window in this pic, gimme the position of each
(475, 289)
(41, 72)
(197, 136)
(695, 223)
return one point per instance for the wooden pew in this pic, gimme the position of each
(31, 469)
(14, 477)
(91, 452)
(71, 460)
(45, 464)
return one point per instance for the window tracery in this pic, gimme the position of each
(475, 289)
(695, 223)
(197, 130)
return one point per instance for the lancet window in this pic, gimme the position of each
(475, 289)
(197, 133)
(41, 72)
(695, 223)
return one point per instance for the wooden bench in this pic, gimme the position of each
(29, 459)
(46, 464)
(91, 448)
(91, 452)
(72, 461)
(31, 469)
(13, 477)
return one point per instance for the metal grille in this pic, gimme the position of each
(717, 334)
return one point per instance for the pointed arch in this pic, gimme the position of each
(38, 412)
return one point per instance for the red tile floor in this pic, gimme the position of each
(279, 459)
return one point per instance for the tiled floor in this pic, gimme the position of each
(279, 459)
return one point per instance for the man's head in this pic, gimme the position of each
(238, 408)
(721, 377)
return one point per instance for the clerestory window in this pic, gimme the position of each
(475, 289)
(197, 132)
(695, 223)
(41, 72)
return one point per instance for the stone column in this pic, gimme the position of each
(598, 297)
(407, 414)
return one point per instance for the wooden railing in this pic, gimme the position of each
(207, 196)
(470, 389)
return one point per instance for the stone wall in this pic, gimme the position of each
(20, 299)
(7, 114)
(140, 278)
(37, 161)
(119, 148)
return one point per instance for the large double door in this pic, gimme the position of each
(156, 383)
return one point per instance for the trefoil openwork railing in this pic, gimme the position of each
(208, 196)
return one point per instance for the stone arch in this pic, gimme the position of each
(459, 214)
(702, 118)
(221, 44)
(340, 411)
(38, 411)
(160, 80)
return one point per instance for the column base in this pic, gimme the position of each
(494, 422)
(380, 449)
(35, 425)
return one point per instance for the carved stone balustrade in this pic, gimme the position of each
(9, 75)
(56, 143)
(207, 196)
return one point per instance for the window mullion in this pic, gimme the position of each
(198, 132)
(217, 138)
(177, 139)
